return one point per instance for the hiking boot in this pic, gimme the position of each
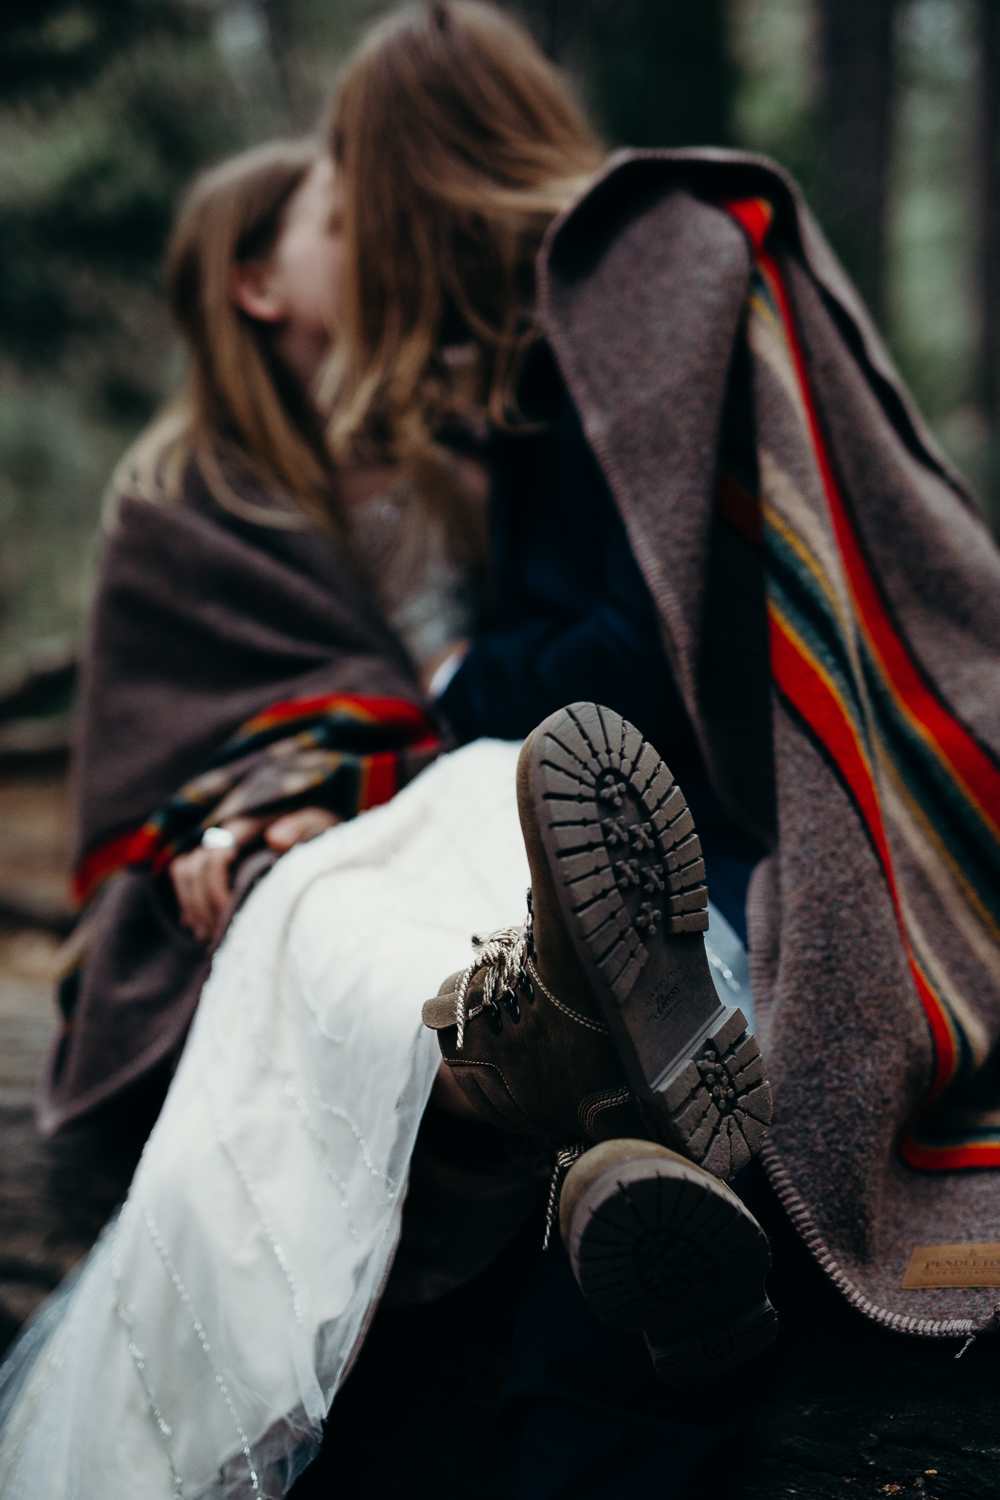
(525, 1059)
(662, 1248)
(600, 1018)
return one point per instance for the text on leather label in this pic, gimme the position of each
(953, 1265)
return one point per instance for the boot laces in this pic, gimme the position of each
(565, 1157)
(506, 956)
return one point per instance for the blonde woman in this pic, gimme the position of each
(723, 518)
(261, 622)
(732, 526)
(227, 1300)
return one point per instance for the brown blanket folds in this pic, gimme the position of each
(231, 667)
(830, 602)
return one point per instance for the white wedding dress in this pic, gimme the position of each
(198, 1349)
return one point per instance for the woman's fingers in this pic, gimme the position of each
(188, 873)
(245, 830)
(214, 871)
(298, 827)
(216, 881)
(201, 878)
(177, 870)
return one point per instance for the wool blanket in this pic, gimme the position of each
(233, 667)
(830, 603)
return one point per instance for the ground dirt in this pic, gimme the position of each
(54, 1196)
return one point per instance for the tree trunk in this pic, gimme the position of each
(654, 72)
(856, 49)
(989, 269)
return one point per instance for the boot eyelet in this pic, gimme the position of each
(511, 1006)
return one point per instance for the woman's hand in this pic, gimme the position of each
(201, 877)
(298, 827)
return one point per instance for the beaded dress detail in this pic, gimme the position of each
(199, 1349)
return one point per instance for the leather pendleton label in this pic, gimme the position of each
(953, 1265)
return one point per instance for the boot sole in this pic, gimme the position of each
(662, 1249)
(626, 865)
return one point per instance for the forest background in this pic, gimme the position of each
(888, 112)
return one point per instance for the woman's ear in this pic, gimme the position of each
(254, 287)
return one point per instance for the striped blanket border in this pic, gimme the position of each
(856, 687)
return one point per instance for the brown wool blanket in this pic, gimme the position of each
(830, 603)
(232, 667)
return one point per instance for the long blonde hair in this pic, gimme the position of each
(240, 414)
(457, 142)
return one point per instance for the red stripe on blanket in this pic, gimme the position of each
(801, 680)
(866, 597)
(947, 1158)
(812, 694)
(970, 766)
(815, 698)
(756, 215)
(379, 779)
(395, 713)
(148, 845)
(136, 847)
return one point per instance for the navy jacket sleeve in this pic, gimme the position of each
(574, 620)
(573, 617)
(610, 652)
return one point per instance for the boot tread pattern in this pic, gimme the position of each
(628, 862)
(657, 1253)
(719, 1103)
(625, 841)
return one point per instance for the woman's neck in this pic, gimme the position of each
(303, 352)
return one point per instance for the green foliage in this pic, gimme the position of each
(53, 466)
(933, 219)
(774, 48)
(58, 45)
(107, 108)
(89, 188)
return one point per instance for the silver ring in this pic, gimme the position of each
(218, 838)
